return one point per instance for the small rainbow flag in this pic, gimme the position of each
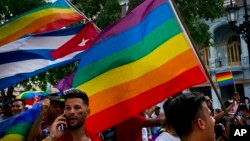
(17, 128)
(136, 63)
(224, 79)
(29, 96)
(42, 19)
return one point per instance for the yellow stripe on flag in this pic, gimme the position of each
(12, 137)
(30, 18)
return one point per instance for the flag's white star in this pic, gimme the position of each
(83, 43)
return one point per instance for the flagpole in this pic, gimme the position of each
(192, 43)
(235, 88)
(81, 13)
(234, 82)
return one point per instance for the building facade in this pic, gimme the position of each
(229, 52)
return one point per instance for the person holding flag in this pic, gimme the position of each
(235, 101)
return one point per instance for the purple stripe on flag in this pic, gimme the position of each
(119, 27)
(226, 83)
(66, 82)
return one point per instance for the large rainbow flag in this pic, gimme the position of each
(135, 63)
(41, 19)
(224, 79)
(16, 128)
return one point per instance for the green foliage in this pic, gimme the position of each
(12, 8)
(133, 4)
(110, 12)
(202, 9)
(102, 13)
(51, 76)
(194, 12)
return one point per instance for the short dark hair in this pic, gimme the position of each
(157, 108)
(76, 93)
(183, 110)
(57, 96)
(23, 102)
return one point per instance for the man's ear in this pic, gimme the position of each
(88, 111)
(200, 124)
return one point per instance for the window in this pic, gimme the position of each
(205, 54)
(233, 50)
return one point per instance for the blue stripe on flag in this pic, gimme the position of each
(226, 83)
(25, 55)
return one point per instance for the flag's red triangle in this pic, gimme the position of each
(80, 41)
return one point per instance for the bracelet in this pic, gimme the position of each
(50, 137)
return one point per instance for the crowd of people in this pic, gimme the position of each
(185, 117)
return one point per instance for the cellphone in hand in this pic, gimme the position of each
(61, 127)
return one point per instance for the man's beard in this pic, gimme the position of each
(78, 125)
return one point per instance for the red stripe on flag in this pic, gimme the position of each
(224, 74)
(57, 24)
(185, 80)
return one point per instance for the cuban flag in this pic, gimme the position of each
(33, 54)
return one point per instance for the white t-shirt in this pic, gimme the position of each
(165, 136)
(144, 134)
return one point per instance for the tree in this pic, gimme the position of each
(12, 8)
(195, 12)
(102, 13)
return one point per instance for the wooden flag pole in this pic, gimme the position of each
(192, 43)
(235, 90)
(81, 13)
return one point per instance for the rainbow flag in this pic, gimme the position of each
(224, 79)
(29, 96)
(41, 19)
(16, 128)
(135, 63)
